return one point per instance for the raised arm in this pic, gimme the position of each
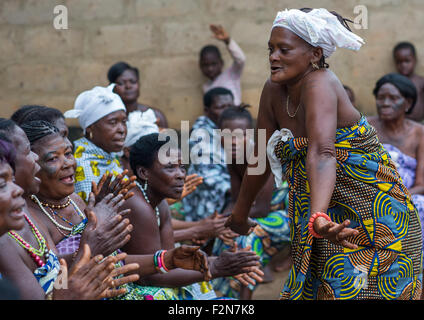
(233, 48)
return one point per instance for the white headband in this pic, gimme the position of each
(319, 28)
(92, 105)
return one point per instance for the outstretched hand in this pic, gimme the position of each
(334, 232)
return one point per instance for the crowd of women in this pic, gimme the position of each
(104, 217)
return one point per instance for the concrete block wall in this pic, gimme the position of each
(42, 65)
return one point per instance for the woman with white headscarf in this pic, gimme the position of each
(355, 233)
(102, 116)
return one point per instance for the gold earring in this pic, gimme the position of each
(315, 66)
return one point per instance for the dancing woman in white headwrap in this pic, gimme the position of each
(355, 233)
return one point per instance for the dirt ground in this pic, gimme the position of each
(271, 290)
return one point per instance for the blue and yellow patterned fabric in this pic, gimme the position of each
(92, 163)
(47, 274)
(271, 235)
(369, 192)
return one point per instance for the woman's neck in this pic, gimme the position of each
(294, 86)
(131, 106)
(394, 126)
(52, 201)
(152, 197)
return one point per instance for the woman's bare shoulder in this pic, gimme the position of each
(417, 127)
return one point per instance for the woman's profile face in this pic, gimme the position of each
(11, 201)
(127, 86)
(110, 131)
(26, 166)
(289, 56)
(391, 104)
(58, 166)
(166, 178)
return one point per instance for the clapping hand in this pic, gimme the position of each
(188, 257)
(93, 278)
(252, 274)
(119, 185)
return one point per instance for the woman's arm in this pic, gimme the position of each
(321, 124)
(252, 184)
(14, 268)
(262, 204)
(418, 187)
(321, 112)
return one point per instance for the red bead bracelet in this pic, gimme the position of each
(311, 223)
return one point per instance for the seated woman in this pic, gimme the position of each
(157, 180)
(62, 211)
(272, 234)
(28, 256)
(102, 116)
(196, 231)
(11, 203)
(395, 97)
(29, 113)
(127, 82)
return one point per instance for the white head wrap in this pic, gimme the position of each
(319, 28)
(92, 105)
(140, 124)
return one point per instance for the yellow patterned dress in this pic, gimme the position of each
(92, 163)
(369, 192)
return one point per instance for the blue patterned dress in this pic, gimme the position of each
(369, 192)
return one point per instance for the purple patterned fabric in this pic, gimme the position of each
(69, 245)
(406, 166)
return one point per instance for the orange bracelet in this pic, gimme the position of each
(311, 223)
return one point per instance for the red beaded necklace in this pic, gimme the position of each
(35, 254)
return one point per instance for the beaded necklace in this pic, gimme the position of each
(148, 201)
(52, 219)
(58, 229)
(57, 206)
(35, 254)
